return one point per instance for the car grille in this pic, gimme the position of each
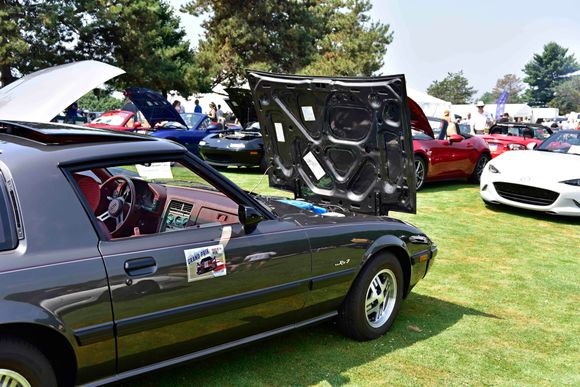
(526, 194)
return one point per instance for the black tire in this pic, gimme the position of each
(420, 165)
(479, 167)
(352, 316)
(19, 356)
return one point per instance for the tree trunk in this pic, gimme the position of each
(6, 76)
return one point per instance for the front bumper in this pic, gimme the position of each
(567, 203)
(231, 157)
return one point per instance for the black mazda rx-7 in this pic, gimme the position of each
(123, 254)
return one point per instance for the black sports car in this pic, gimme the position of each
(102, 232)
(238, 149)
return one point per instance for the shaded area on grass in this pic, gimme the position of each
(314, 354)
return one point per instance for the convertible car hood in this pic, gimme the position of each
(42, 95)
(154, 106)
(338, 141)
(242, 104)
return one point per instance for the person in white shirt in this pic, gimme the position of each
(481, 120)
(467, 122)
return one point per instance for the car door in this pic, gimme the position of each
(443, 159)
(166, 306)
(464, 154)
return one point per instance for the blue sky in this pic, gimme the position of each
(485, 39)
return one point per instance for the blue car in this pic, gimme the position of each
(186, 128)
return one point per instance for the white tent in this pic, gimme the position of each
(513, 109)
(433, 107)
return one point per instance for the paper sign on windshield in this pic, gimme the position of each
(155, 171)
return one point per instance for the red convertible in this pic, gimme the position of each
(506, 136)
(442, 157)
(122, 120)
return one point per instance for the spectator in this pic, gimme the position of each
(467, 122)
(212, 112)
(197, 108)
(504, 118)
(481, 120)
(177, 106)
(446, 115)
(71, 113)
(219, 113)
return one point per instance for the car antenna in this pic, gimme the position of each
(260, 181)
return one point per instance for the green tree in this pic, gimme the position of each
(567, 96)
(144, 38)
(453, 88)
(331, 37)
(546, 70)
(488, 98)
(510, 83)
(35, 34)
(350, 44)
(101, 101)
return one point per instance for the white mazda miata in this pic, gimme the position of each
(545, 179)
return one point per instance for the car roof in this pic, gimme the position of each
(39, 146)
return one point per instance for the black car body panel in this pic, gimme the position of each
(242, 104)
(338, 141)
(66, 283)
(154, 106)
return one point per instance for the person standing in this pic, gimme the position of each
(197, 108)
(177, 105)
(481, 119)
(71, 113)
(212, 112)
(220, 113)
(467, 122)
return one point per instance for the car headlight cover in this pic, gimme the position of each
(575, 182)
(202, 143)
(493, 169)
(237, 145)
(516, 147)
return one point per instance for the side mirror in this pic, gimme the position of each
(249, 217)
(455, 138)
(531, 145)
(137, 124)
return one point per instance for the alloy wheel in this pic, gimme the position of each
(419, 173)
(381, 298)
(12, 379)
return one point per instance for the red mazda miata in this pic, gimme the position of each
(506, 136)
(442, 157)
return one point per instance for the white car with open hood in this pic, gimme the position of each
(546, 179)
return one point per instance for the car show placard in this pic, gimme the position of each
(205, 262)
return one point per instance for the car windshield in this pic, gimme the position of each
(562, 142)
(437, 126)
(165, 173)
(418, 135)
(193, 119)
(115, 119)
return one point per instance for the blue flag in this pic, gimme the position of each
(500, 104)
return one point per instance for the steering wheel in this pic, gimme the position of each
(120, 192)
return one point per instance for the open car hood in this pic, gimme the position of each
(242, 104)
(419, 120)
(338, 141)
(154, 106)
(42, 95)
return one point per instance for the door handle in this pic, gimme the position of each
(140, 266)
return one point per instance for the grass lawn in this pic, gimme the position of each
(500, 306)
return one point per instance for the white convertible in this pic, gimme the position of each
(545, 179)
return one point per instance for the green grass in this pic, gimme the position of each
(500, 307)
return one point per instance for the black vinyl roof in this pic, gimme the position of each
(61, 134)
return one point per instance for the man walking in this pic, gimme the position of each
(481, 119)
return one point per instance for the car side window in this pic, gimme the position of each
(151, 197)
(204, 124)
(8, 234)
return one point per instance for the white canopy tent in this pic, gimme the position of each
(432, 106)
(513, 109)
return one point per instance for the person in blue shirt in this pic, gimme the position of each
(197, 108)
(71, 113)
